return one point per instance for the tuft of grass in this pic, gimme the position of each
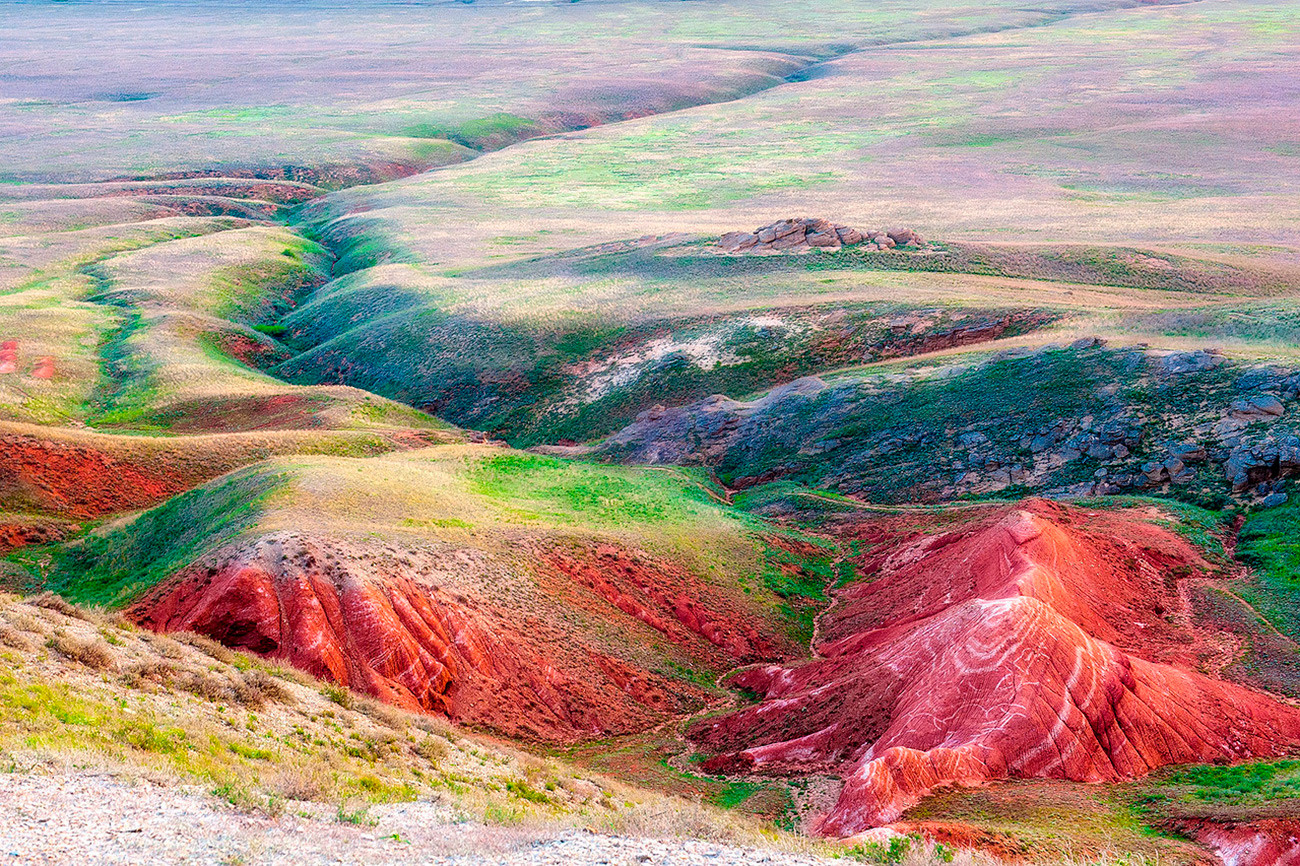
(93, 654)
(338, 695)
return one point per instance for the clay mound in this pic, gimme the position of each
(390, 624)
(806, 233)
(1019, 646)
(8, 356)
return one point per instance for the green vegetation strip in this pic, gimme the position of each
(116, 563)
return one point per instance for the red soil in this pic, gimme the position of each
(83, 481)
(1020, 645)
(672, 607)
(384, 623)
(258, 354)
(43, 368)
(1270, 842)
(8, 356)
(16, 533)
(90, 475)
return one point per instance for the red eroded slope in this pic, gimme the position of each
(1036, 642)
(1267, 842)
(408, 627)
(83, 481)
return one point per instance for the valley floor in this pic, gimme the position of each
(92, 818)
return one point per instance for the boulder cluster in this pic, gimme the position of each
(805, 233)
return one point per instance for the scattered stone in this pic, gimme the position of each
(1273, 500)
(1180, 363)
(1257, 407)
(1189, 452)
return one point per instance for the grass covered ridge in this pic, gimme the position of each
(109, 566)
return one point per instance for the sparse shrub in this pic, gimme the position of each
(260, 688)
(25, 622)
(11, 637)
(293, 675)
(382, 713)
(524, 791)
(168, 648)
(250, 752)
(56, 603)
(891, 852)
(338, 695)
(667, 820)
(433, 725)
(209, 687)
(143, 675)
(502, 815)
(91, 653)
(207, 645)
(433, 749)
(300, 783)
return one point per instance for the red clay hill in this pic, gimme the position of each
(1035, 641)
(571, 646)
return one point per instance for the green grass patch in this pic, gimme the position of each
(481, 133)
(1269, 544)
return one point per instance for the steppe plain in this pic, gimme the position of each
(392, 456)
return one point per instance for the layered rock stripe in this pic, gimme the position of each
(1020, 646)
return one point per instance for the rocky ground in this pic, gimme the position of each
(1079, 420)
(96, 819)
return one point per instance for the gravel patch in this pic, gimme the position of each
(99, 819)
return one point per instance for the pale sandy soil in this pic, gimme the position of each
(87, 818)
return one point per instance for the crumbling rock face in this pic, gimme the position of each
(18, 532)
(1019, 646)
(402, 625)
(806, 233)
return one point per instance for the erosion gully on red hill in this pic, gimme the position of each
(1036, 641)
(373, 621)
(1029, 641)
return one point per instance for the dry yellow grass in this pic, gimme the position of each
(81, 688)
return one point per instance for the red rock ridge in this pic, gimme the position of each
(386, 625)
(1020, 646)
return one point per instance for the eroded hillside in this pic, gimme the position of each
(810, 329)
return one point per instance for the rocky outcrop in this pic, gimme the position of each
(1019, 646)
(1136, 422)
(803, 234)
(406, 626)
